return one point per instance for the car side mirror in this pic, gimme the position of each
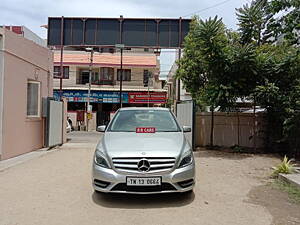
(101, 128)
(186, 129)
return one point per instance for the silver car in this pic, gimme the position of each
(143, 151)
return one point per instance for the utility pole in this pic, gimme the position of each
(179, 57)
(88, 109)
(61, 74)
(121, 78)
(178, 83)
(121, 47)
(148, 89)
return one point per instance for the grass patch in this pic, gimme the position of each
(286, 167)
(293, 192)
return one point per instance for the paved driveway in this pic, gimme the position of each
(56, 189)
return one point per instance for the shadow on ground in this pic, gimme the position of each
(129, 201)
(221, 154)
(277, 203)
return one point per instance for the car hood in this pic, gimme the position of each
(129, 144)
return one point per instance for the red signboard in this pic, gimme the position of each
(143, 97)
(145, 130)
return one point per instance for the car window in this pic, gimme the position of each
(129, 120)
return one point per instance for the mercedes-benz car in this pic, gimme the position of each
(143, 151)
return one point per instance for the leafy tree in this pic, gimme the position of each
(284, 20)
(252, 21)
(279, 92)
(216, 68)
(277, 65)
(204, 61)
(219, 66)
(264, 21)
(191, 66)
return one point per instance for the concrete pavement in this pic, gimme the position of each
(293, 179)
(5, 164)
(73, 137)
(56, 189)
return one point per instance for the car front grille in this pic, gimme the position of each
(162, 187)
(157, 164)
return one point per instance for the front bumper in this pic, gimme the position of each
(178, 180)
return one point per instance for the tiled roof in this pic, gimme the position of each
(107, 59)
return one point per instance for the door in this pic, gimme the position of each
(54, 123)
(185, 116)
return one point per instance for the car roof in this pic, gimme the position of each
(144, 108)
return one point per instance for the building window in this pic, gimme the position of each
(95, 78)
(33, 99)
(146, 78)
(57, 72)
(107, 73)
(126, 74)
(84, 77)
(107, 50)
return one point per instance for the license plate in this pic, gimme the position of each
(145, 130)
(143, 181)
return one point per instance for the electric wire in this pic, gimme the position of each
(207, 8)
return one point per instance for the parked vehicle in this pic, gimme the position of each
(143, 151)
(68, 127)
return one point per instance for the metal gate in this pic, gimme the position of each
(53, 111)
(186, 116)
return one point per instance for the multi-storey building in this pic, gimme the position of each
(172, 87)
(105, 83)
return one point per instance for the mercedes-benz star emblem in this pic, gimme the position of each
(143, 165)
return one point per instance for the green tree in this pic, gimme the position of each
(219, 66)
(204, 61)
(216, 68)
(252, 21)
(277, 66)
(279, 92)
(264, 21)
(284, 20)
(191, 66)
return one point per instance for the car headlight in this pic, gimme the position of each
(186, 160)
(100, 160)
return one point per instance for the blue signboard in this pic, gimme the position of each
(95, 97)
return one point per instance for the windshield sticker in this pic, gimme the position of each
(145, 130)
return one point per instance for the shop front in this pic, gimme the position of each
(105, 104)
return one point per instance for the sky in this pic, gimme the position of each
(34, 13)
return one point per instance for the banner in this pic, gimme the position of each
(95, 97)
(143, 97)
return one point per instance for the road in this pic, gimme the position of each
(56, 189)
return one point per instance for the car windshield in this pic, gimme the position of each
(130, 120)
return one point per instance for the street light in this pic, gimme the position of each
(121, 47)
